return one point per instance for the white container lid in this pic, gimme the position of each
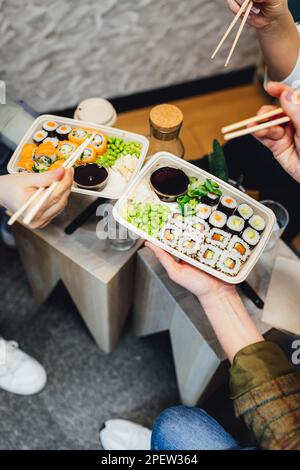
(97, 110)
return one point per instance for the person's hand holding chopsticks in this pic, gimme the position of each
(16, 189)
(284, 141)
(263, 12)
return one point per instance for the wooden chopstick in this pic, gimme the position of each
(250, 5)
(251, 120)
(67, 164)
(231, 26)
(257, 128)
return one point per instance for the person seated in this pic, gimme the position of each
(265, 387)
(20, 373)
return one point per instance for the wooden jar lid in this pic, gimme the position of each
(166, 117)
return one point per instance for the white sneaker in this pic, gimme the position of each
(120, 434)
(19, 373)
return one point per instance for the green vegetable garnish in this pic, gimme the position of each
(217, 162)
(117, 148)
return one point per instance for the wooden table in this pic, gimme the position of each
(160, 305)
(99, 279)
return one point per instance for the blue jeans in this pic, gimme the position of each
(183, 428)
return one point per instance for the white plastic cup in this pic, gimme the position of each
(97, 110)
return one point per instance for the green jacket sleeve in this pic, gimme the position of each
(266, 392)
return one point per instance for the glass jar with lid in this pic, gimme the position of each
(165, 123)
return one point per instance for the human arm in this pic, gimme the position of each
(264, 386)
(277, 34)
(16, 189)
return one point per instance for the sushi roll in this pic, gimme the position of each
(39, 137)
(239, 247)
(77, 136)
(177, 219)
(209, 255)
(219, 238)
(88, 156)
(211, 199)
(229, 263)
(50, 127)
(196, 224)
(235, 224)
(203, 211)
(251, 236)
(62, 132)
(189, 244)
(245, 211)
(42, 164)
(257, 222)
(99, 143)
(217, 219)
(169, 235)
(53, 140)
(65, 149)
(46, 149)
(227, 205)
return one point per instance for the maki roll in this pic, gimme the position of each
(251, 236)
(177, 219)
(219, 238)
(245, 211)
(211, 199)
(188, 244)
(53, 140)
(42, 164)
(196, 224)
(235, 224)
(218, 219)
(99, 143)
(239, 247)
(77, 136)
(169, 235)
(229, 263)
(46, 149)
(203, 211)
(65, 149)
(62, 132)
(88, 156)
(50, 127)
(257, 222)
(209, 255)
(227, 205)
(39, 137)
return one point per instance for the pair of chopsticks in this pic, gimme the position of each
(228, 134)
(46, 193)
(245, 8)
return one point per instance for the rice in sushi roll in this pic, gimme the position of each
(245, 211)
(217, 219)
(219, 238)
(251, 236)
(196, 224)
(211, 199)
(227, 205)
(169, 235)
(42, 164)
(99, 143)
(50, 127)
(229, 263)
(62, 132)
(239, 247)
(257, 222)
(235, 224)
(39, 137)
(65, 149)
(189, 244)
(53, 140)
(87, 156)
(209, 255)
(177, 218)
(77, 136)
(203, 211)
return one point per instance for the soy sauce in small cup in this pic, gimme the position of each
(169, 183)
(90, 176)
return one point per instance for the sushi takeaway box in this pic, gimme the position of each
(116, 183)
(164, 159)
